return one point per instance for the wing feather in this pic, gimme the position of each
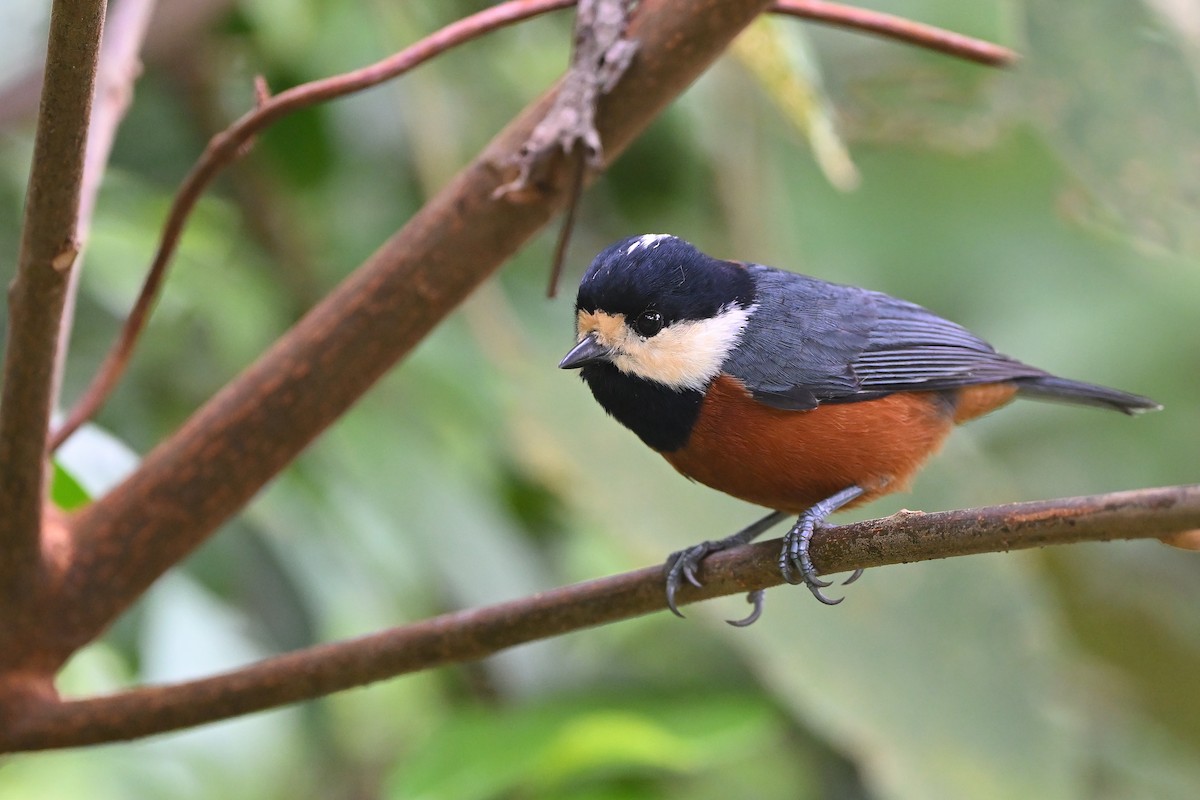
(809, 341)
(911, 348)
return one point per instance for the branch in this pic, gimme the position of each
(232, 143)
(898, 28)
(119, 68)
(256, 425)
(37, 295)
(470, 635)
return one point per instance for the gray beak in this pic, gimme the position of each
(588, 351)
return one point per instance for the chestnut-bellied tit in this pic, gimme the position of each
(786, 391)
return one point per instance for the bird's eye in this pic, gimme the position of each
(648, 323)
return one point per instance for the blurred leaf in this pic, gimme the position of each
(1149, 632)
(1131, 757)
(646, 179)
(65, 491)
(285, 29)
(932, 698)
(1118, 95)
(776, 54)
(899, 95)
(61, 776)
(542, 749)
(300, 143)
(611, 740)
(96, 669)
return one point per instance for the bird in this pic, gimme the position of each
(783, 390)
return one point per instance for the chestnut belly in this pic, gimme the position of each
(789, 460)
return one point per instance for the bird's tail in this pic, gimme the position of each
(1049, 387)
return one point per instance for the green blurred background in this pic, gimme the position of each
(1053, 208)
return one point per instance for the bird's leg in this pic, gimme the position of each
(794, 561)
(682, 565)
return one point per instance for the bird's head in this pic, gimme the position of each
(655, 307)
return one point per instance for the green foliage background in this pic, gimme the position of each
(1053, 208)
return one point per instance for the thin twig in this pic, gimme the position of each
(119, 68)
(898, 28)
(229, 145)
(37, 294)
(471, 635)
(568, 223)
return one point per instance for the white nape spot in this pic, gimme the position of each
(685, 355)
(647, 240)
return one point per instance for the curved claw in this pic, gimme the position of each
(756, 599)
(816, 592)
(853, 577)
(681, 566)
(813, 580)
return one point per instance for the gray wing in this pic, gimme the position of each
(911, 348)
(810, 342)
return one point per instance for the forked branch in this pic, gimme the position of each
(203, 474)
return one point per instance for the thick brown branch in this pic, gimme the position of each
(229, 145)
(36, 297)
(470, 635)
(228, 450)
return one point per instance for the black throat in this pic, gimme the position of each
(662, 417)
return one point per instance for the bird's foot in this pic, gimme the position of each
(683, 565)
(795, 562)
